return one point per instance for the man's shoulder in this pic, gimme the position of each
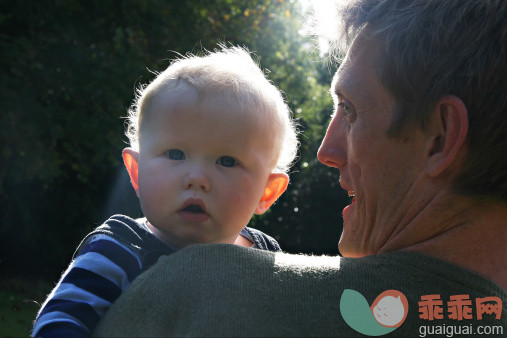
(409, 272)
(289, 294)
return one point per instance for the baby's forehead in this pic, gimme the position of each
(187, 109)
(178, 96)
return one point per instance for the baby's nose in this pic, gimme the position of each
(197, 180)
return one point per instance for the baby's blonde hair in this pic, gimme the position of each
(227, 71)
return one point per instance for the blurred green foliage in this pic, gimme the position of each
(20, 299)
(69, 69)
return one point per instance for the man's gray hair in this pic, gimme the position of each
(435, 48)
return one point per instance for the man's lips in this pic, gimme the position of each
(350, 193)
(353, 195)
(348, 209)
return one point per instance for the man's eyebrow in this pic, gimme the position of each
(351, 88)
(334, 88)
(340, 87)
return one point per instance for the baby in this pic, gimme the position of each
(211, 142)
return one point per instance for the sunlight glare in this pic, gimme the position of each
(324, 11)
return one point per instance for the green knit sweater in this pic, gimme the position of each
(227, 290)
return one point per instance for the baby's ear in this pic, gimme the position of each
(275, 187)
(131, 160)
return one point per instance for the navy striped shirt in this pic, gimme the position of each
(105, 263)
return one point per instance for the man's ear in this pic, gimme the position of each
(275, 187)
(131, 160)
(449, 130)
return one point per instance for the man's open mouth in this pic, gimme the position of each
(353, 195)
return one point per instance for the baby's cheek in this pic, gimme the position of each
(246, 184)
(238, 196)
(155, 195)
(244, 194)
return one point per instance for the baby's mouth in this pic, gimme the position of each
(193, 208)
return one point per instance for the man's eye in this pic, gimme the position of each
(344, 107)
(347, 111)
(227, 161)
(175, 154)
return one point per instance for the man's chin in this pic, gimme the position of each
(349, 250)
(345, 246)
(344, 249)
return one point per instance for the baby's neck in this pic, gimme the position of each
(242, 241)
(174, 243)
(170, 241)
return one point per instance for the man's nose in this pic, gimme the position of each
(197, 180)
(332, 151)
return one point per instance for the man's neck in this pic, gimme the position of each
(469, 233)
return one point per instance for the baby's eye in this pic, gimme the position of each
(227, 161)
(175, 154)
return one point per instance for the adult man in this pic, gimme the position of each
(419, 138)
